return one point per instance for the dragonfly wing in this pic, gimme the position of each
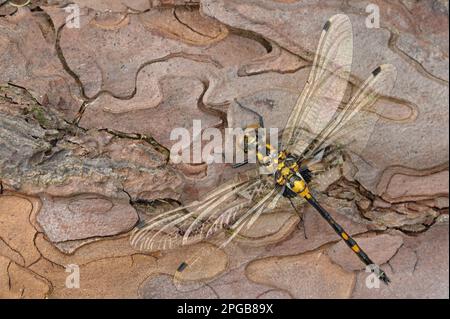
(248, 217)
(268, 202)
(325, 88)
(202, 219)
(352, 125)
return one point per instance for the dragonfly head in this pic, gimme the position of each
(252, 143)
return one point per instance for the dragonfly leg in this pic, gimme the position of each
(348, 240)
(302, 221)
(237, 165)
(260, 118)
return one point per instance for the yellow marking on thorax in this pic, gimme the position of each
(294, 167)
(305, 193)
(301, 189)
(299, 186)
(285, 171)
(260, 156)
(281, 181)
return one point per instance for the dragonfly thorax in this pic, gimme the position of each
(286, 169)
(289, 175)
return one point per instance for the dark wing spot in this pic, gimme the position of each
(182, 267)
(327, 25)
(376, 71)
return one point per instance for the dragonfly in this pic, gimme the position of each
(319, 122)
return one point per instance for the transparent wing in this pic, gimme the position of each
(352, 125)
(325, 88)
(230, 207)
(250, 215)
